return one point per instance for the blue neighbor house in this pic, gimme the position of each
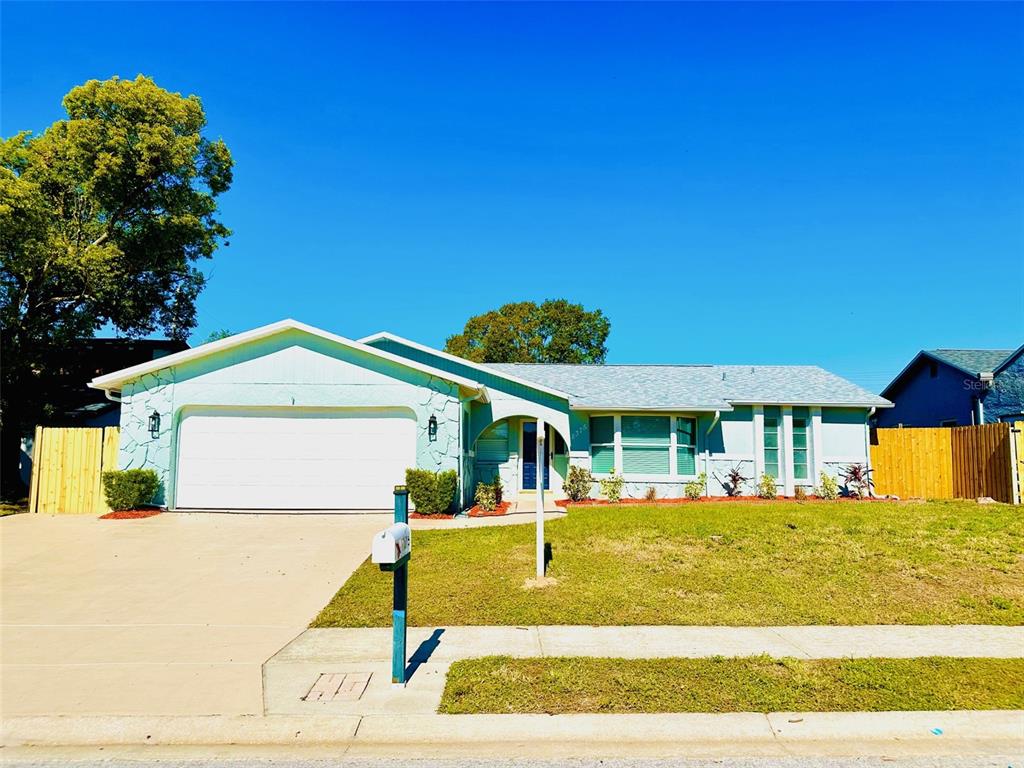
(956, 388)
(290, 417)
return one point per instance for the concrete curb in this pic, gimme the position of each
(959, 732)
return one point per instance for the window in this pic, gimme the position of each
(686, 446)
(800, 448)
(646, 442)
(602, 444)
(771, 446)
(492, 445)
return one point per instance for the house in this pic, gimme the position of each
(288, 416)
(957, 387)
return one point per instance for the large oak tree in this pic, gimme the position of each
(103, 218)
(556, 331)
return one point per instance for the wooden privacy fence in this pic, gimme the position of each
(949, 463)
(67, 466)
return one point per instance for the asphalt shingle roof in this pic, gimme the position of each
(708, 387)
(973, 361)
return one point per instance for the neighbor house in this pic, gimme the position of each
(288, 416)
(956, 388)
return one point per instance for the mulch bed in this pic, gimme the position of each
(702, 500)
(418, 516)
(502, 509)
(130, 514)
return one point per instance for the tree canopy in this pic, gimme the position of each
(103, 218)
(555, 331)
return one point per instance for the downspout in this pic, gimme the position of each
(707, 453)
(112, 397)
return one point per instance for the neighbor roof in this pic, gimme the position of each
(973, 361)
(693, 387)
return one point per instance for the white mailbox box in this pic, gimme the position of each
(392, 546)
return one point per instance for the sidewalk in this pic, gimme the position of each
(290, 674)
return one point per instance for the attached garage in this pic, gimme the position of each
(261, 458)
(288, 417)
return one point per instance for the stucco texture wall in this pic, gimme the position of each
(1004, 398)
(289, 370)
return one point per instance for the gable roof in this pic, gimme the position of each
(510, 376)
(115, 380)
(694, 387)
(972, 361)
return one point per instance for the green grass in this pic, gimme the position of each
(721, 563)
(501, 684)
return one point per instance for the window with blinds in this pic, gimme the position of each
(602, 444)
(646, 442)
(800, 471)
(771, 446)
(686, 446)
(492, 445)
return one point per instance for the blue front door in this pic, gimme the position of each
(529, 455)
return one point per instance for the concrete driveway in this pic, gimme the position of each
(172, 614)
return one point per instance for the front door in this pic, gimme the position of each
(529, 454)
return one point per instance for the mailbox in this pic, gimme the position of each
(391, 547)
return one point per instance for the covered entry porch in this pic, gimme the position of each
(507, 449)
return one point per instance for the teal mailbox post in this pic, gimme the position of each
(391, 550)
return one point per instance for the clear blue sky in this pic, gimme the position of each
(810, 183)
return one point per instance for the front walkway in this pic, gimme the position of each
(290, 674)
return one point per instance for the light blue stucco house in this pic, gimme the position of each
(288, 416)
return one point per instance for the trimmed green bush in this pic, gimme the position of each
(828, 488)
(766, 488)
(611, 487)
(578, 483)
(130, 488)
(432, 493)
(488, 495)
(695, 488)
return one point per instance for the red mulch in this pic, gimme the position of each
(130, 514)
(502, 509)
(418, 516)
(702, 500)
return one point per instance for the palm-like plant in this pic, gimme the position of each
(857, 480)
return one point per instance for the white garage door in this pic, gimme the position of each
(271, 459)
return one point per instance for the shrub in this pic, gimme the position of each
(766, 487)
(611, 487)
(432, 493)
(857, 478)
(800, 493)
(578, 483)
(651, 494)
(695, 488)
(734, 481)
(130, 488)
(488, 495)
(828, 488)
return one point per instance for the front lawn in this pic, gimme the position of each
(501, 684)
(726, 564)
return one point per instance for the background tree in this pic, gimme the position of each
(556, 331)
(103, 217)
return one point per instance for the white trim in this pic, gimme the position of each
(601, 410)
(619, 467)
(865, 405)
(116, 379)
(463, 361)
(815, 446)
(786, 465)
(758, 412)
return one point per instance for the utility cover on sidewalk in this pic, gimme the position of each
(338, 686)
